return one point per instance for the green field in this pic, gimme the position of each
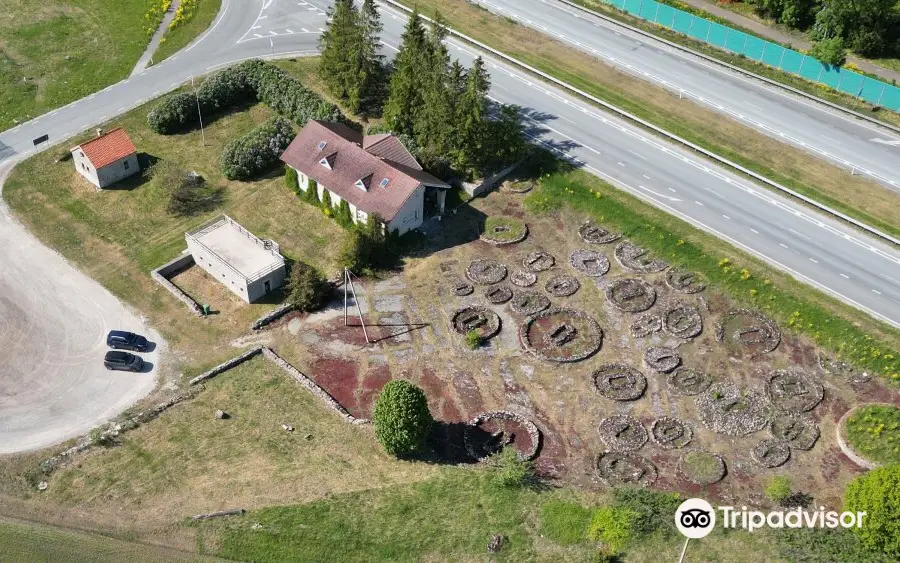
(874, 432)
(181, 36)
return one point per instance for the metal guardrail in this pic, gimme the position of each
(672, 137)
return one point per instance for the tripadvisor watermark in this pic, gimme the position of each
(696, 518)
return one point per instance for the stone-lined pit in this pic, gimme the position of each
(561, 335)
(689, 381)
(701, 467)
(631, 295)
(589, 262)
(538, 261)
(529, 302)
(622, 433)
(684, 282)
(671, 433)
(511, 429)
(749, 328)
(619, 382)
(486, 271)
(594, 234)
(618, 469)
(724, 409)
(562, 286)
(662, 360)
(480, 319)
(636, 259)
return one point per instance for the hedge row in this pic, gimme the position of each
(257, 151)
(247, 81)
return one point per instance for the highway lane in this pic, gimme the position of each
(849, 142)
(813, 248)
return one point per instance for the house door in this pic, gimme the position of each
(267, 285)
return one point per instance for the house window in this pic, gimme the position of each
(384, 182)
(322, 145)
(126, 164)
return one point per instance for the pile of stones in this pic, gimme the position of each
(631, 295)
(670, 433)
(622, 433)
(619, 382)
(754, 330)
(618, 469)
(724, 409)
(637, 259)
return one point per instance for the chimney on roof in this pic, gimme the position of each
(99, 131)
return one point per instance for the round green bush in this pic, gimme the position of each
(874, 433)
(401, 417)
(877, 493)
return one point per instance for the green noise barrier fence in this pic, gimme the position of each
(857, 85)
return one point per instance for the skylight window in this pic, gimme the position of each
(383, 183)
(322, 145)
(361, 185)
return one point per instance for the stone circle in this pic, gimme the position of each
(671, 433)
(689, 381)
(480, 319)
(561, 335)
(486, 271)
(645, 325)
(593, 234)
(562, 286)
(461, 288)
(498, 294)
(631, 295)
(662, 360)
(683, 320)
(523, 278)
(754, 330)
(538, 261)
(724, 409)
(701, 467)
(509, 231)
(589, 262)
(638, 260)
(619, 382)
(496, 441)
(517, 187)
(529, 302)
(794, 391)
(621, 468)
(771, 453)
(623, 433)
(685, 282)
(798, 432)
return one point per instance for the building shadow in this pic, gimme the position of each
(145, 163)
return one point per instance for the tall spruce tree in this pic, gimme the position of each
(471, 117)
(431, 128)
(404, 102)
(337, 45)
(373, 70)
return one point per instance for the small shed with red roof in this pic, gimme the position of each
(107, 158)
(374, 174)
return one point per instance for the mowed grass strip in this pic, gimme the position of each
(117, 236)
(182, 36)
(874, 432)
(53, 52)
(27, 541)
(792, 167)
(840, 329)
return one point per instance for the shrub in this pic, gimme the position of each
(225, 89)
(367, 248)
(508, 471)
(877, 493)
(290, 180)
(612, 526)
(473, 339)
(187, 194)
(829, 51)
(651, 510)
(343, 216)
(174, 113)
(566, 523)
(257, 151)
(823, 544)
(779, 489)
(287, 96)
(307, 288)
(401, 417)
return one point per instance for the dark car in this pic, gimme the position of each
(119, 339)
(122, 361)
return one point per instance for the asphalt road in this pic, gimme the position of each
(849, 142)
(811, 247)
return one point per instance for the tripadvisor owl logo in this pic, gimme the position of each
(695, 518)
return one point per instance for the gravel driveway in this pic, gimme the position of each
(53, 325)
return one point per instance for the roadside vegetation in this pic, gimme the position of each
(55, 52)
(794, 81)
(195, 18)
(874, 433)
(807, 174)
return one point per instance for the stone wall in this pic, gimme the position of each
(475, 190)
(223, 367)
(162, 274)
(272, 316)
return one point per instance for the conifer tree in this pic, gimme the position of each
(471, 117)
(373, 76)
(432, 129)
(404, 100)
(337, 47)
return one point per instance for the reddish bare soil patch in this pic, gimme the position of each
(467, 389)
(440, 399)
(334, 329)
(371, 385)
(339, 379)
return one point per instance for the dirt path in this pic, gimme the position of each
(53, 323)
(764, 30)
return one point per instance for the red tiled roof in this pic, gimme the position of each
(108, 148)
(349, 163)
(389, 147)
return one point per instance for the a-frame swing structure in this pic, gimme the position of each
(348, 283)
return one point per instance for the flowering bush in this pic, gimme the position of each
(184, 13)
(155, 15)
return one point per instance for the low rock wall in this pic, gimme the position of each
(162, 274)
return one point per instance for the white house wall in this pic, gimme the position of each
(118, 170)
(84, 167)
(410, 215)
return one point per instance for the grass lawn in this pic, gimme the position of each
(503, 229)
(782, 163)
(53, 52)
(180, 37)
(874, 432)
(118, 236)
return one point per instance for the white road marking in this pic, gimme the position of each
(813, 260)
(782, 244)
(698, 203)
(726, 217)
(304, 30)
(646, 177)
(646, 189)
(622, 164)
(672, 190)
(845, 276)
(889, 142)
(801, 235)
(876, 292)
(261, 17)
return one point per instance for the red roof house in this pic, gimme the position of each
(374, 174)
(107, 158)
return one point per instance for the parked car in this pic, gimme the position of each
(119, 339)
(122, 361)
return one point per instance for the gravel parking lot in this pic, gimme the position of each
(53, 325)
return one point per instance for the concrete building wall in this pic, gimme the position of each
(118, 170)
(411, 214)
(84, 167)
(220, 271)
(257, 289)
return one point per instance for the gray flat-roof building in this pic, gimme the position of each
(248, 266)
